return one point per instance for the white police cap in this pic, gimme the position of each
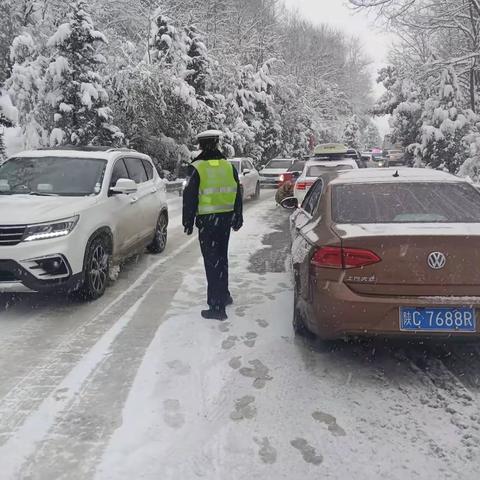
(210, 134)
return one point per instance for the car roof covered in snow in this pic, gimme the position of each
(395, 175)
(105, 153)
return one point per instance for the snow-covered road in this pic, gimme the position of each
(138, 386)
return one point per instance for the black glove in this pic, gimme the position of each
(237, 223)
(188, 230)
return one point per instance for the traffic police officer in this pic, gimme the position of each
(212, 200)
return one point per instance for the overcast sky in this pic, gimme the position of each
(358, 24)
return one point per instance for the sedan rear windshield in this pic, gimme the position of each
(279, 164)
(64, 176)
(406, 203)
(317, 170)
(297, 166)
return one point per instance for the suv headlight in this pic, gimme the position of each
(44, 231)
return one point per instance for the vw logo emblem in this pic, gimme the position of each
(437, 260)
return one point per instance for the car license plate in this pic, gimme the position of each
(461, 319)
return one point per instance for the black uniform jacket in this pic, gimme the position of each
(190, 193)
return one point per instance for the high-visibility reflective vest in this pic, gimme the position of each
(218, 188)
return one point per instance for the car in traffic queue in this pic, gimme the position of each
(69, 214)
(389, 252)
(314, 168)
(395, 158)
(271, 173)
(248, 176)
(373, 159)
(293, 172)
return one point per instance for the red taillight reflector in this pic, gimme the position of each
(338, 257)
(328, 257)
(303, 185)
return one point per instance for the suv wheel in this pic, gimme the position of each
(96, 269)
(160, 239)
(256, 195)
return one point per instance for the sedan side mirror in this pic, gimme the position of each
(125, 186)
(290, 203)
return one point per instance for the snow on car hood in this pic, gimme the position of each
(28, 209)
(398, 229)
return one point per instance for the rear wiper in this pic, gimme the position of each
(42, 194)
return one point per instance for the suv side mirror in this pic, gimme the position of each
(125, 186)
(296, 174)
(290, 203)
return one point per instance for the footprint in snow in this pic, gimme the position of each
(224, 327)
(179, 367)
(244, 409)
(309, 454)
(250, 339)
(235, 363)
(172, 415)
(267, 453)
(229, 342)
(258, 371)
(331, 423)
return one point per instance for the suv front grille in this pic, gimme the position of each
(7, 276)
(11, 234)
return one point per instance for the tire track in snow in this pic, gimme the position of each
(15, 407)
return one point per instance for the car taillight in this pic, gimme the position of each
(338, 257)
(303, 185)
(282, 178)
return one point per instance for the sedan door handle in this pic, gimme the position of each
(133, 199)
(153, 190)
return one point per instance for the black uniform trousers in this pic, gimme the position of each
(214, 236)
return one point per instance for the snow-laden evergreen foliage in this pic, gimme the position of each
(445, 125)
(74, 88)
(351, 134)
(26, 89)
(173, 68)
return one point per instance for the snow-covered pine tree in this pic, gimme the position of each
(198, 62)
(445, 124)
(267, 122)
(4, 122)
(74, 86)
(296, 123)
(25, 87)
(351, 133)
(370, 136)
(168, 44)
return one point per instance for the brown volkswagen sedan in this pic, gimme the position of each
(387, 252)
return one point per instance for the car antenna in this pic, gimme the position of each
(396, 174)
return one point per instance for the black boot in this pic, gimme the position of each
(215, 313)
(229, 301)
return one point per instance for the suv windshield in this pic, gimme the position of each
(64, 176)
(279, 164)
(406, 203)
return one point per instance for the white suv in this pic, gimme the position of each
(248, 177)
(67, 215)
